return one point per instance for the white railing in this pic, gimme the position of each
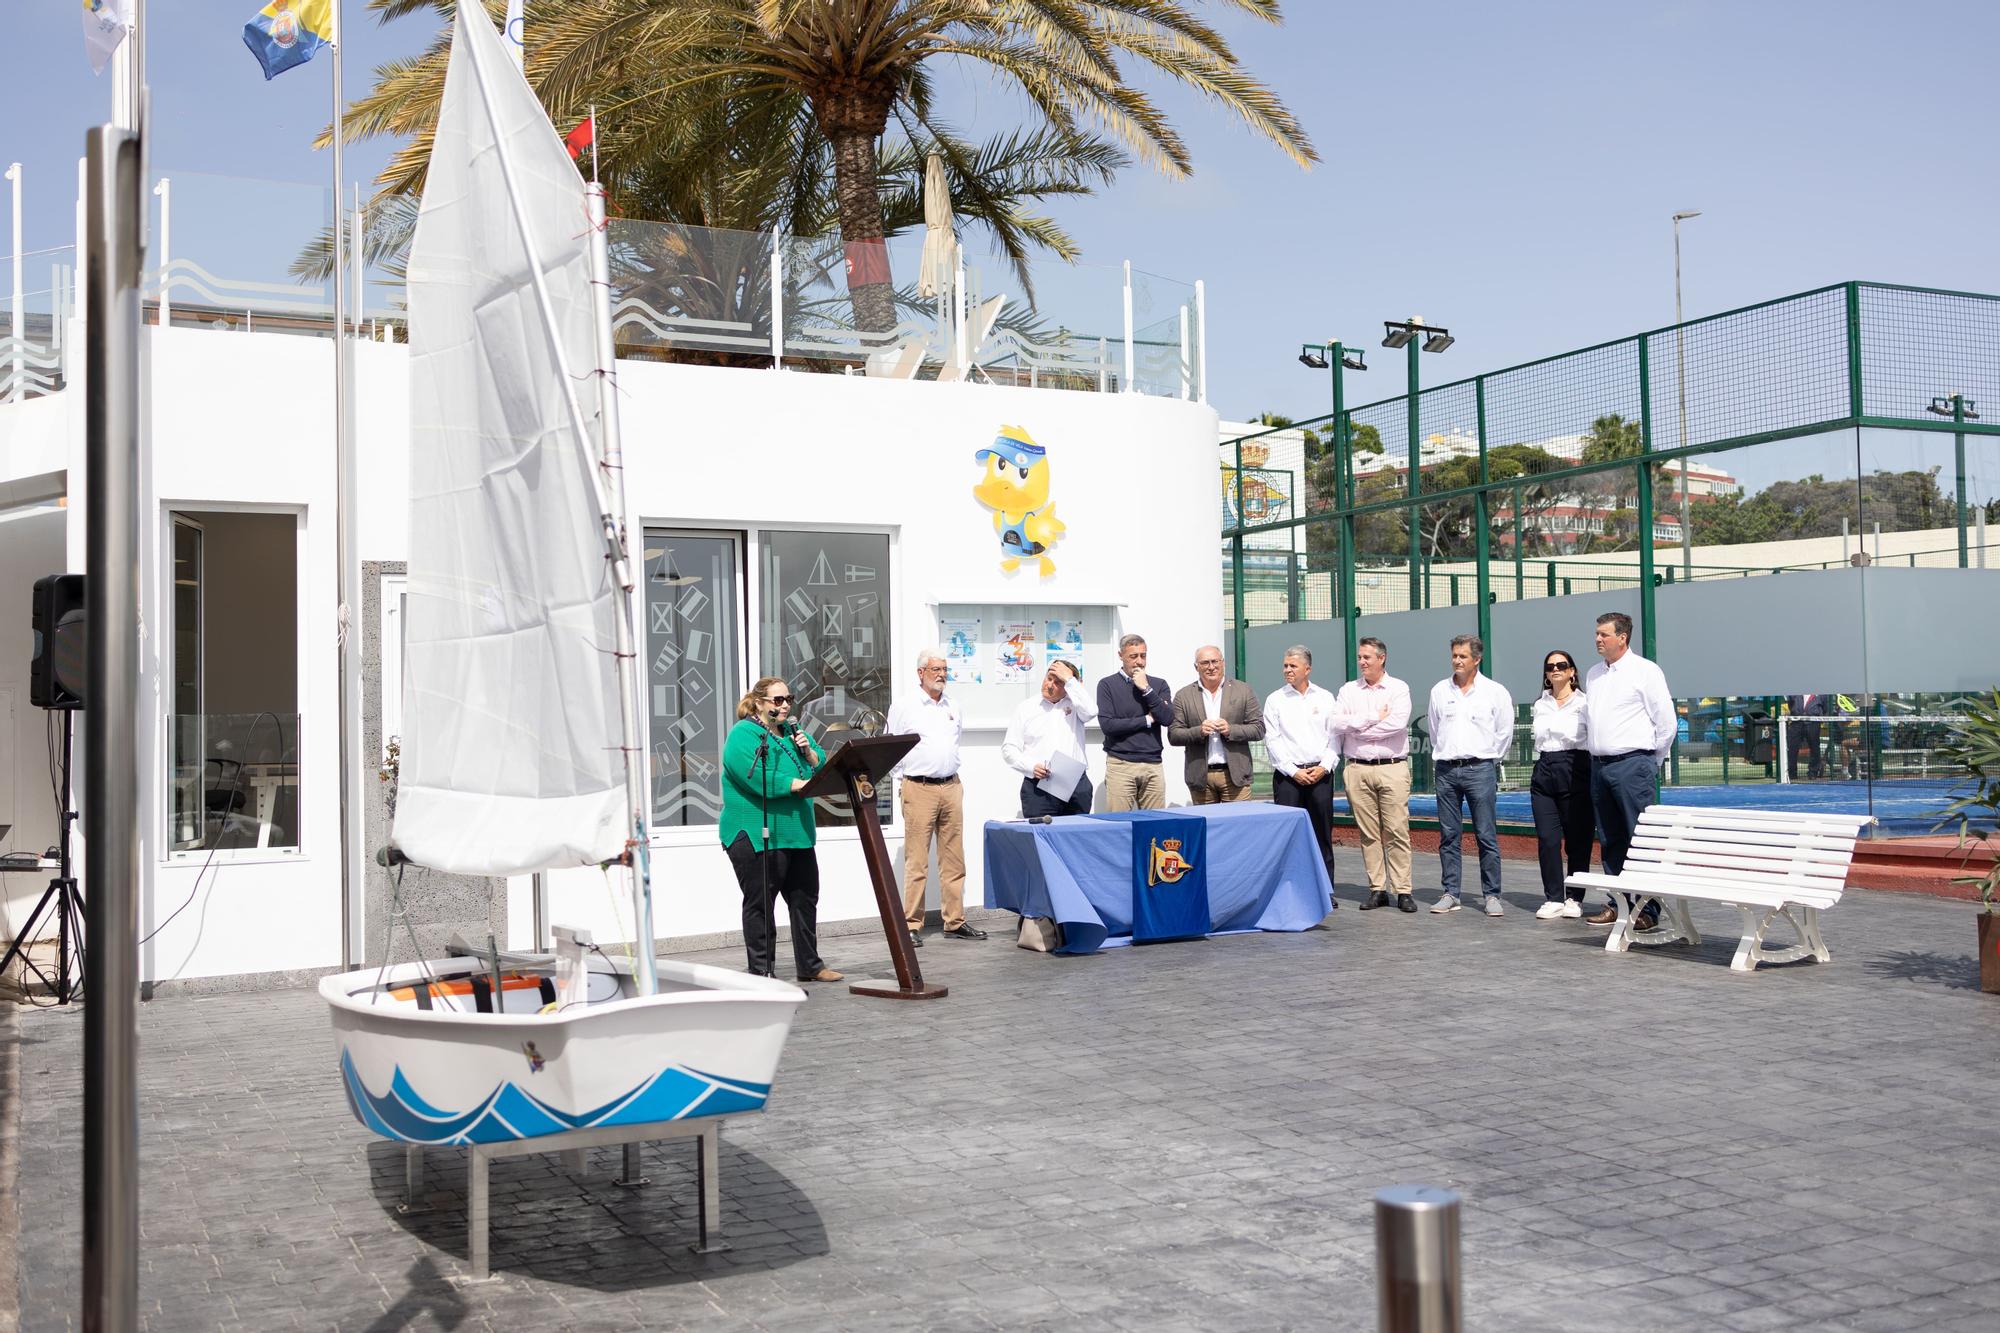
(229, 254)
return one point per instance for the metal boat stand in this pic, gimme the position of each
(706, 1131)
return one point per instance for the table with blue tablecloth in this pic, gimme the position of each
(1263, 871)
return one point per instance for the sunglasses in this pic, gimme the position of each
(778, 700)
(1557, 666)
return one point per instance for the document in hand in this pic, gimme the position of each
(1065, 771)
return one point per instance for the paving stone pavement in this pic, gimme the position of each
(1184, 1136)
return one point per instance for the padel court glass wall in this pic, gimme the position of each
(1798, 504)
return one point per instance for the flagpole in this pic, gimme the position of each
(346, 580)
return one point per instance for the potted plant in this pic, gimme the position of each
(1978, 748)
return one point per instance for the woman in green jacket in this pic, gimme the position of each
(767, 827)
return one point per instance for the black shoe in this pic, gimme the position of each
(916, 940)
(1379, 898)
(1645, 921)
(1332, 903)
(965, 931)
(1406, 902)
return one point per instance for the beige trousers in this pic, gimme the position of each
(1130, 786)
(1379, 795)
(1217, 789)
(934, 809)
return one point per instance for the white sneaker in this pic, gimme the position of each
(1443, 905)
(1571, 908)
(1494, 907)
(1548, 911)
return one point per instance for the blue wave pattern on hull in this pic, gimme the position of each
(508, 1113)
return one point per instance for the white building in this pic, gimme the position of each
(821, 526)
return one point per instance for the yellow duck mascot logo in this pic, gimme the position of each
(1016, 489)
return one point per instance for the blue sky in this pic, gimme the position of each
(1505, 170)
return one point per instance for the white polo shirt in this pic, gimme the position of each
(1471, 724)
(937, 725)
(1298, 730)
(1040, 728)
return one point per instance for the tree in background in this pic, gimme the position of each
(840, 72)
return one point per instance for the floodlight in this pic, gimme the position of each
(1398, 337)
(1313, 356)
(1351, 357)
(1438, 341)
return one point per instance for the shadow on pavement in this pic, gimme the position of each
(1954, 971)
(588, 1231)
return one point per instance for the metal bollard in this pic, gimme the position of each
(1416, 1259)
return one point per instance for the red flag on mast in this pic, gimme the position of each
(582, 137)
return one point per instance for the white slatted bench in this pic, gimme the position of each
(1768, 863)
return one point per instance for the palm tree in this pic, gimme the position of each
(843, 70)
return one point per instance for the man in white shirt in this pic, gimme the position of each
(1374, 713)
(1472, 728)
(1632, 725)
(933, 800)
(1048, 725)
(1298, 739)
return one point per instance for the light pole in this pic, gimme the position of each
(1338, 357)
(1960, 409)
(1400, 334)
(1681, 392)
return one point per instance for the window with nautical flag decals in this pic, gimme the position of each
(823, 624)
(694, 674)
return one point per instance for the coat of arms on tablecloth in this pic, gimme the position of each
(1167, 865)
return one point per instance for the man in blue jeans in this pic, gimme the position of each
(1631, 724)
(1472, 726)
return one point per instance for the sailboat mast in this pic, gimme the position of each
(611, 454)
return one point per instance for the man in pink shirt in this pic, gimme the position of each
(1372, 717)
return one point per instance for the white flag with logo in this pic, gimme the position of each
(104, 26)
(516, 33)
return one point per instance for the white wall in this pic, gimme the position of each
(244, 421)
(31, 545)
(1133, 478)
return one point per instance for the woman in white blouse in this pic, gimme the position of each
(1560, 791)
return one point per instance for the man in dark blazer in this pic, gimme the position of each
(1216, 719)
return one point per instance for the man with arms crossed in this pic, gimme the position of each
(933, 800)
(1131, 709)
(1298, 737)
(1049, 724)
(1374, 713)
(1472, 725)
(1216, 719)
(1632, 725)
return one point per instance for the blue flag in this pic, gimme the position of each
(1169, 878)
(288, 32)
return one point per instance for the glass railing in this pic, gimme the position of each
(234, 780)
(235, 254)
(35, 359)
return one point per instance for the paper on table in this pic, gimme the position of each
(1065, 771)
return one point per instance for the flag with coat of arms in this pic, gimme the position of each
(289, 32)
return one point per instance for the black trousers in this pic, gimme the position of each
(1803, 735)
(1035, 801)
(792, 872)
(1317, 802)
(1564, 818)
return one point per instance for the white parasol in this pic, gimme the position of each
(940, 260)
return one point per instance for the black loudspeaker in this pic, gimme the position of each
(55, 678)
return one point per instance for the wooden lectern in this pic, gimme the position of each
(870, 758)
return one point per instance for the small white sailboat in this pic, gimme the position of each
(521, 750)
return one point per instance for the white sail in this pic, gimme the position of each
(512, 755)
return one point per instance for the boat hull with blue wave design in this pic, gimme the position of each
(708, 1044)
